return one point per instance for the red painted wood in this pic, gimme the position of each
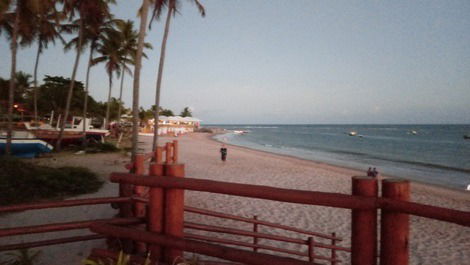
(395, 226)
(168, 147)
(173, 210)
(226, 253)
(156, 211)
(364, 224)
(50, 242)
(64, 226)
(66, 203)
(258, 222)
(175, 151)
(298, 196)
(311, 249)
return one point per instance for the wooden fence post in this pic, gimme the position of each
(364, 224)
(255, 230)
(175, 151)
(159, 155)
(174, 211)
(125, 211)
(168, 156)
(140, 207)
(333, 251)
(395, 227)
(311, 250)
(156, 210)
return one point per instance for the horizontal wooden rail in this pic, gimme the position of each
(243, 244)
(260, 222)
(298, 196)
(240, 232)
(251, 245)
(199, 247)
(252, 191)
(50, 242)
(64, 226)
(66, 203)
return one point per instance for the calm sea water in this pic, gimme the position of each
(436, 154)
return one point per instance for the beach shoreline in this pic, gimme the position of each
(353, 171)
(431, 241)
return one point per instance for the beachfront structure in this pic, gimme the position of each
(172, 125)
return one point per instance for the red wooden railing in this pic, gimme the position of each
(364, 204)
(157, 199)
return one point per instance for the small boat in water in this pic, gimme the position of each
(352, 133)
(25, 144)
(413, 132)
(240, 132)
(466, 137)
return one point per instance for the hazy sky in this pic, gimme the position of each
(302, 61)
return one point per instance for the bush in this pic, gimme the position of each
(102, 148)
(22, 182)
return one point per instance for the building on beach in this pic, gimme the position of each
(173, 125)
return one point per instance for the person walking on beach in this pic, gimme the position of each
(375, 173)
(369, 172)
(223, 153)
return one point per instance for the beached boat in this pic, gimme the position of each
(73, 131)
(25, 144)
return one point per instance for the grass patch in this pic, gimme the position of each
(22, 182)
(105, 147)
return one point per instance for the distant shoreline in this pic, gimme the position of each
(340, 168)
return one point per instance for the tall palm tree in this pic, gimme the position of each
(114, 57)
(91, 13)
(129, 48)
(172, 6)
(91, 36)
(143, 12)
(47, 30)
(17, 24)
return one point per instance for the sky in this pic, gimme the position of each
(297, 62)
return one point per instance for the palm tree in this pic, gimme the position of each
(143, 12)
(115, 57)
(17, 24)
(47, 30)
(91, 36)
(172, 6)
(129, 48)
(91, 13)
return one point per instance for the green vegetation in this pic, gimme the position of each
(105, 147)
(22, 182)
(21, 257)
(122, 260)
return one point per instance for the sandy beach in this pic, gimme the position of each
(431, 242)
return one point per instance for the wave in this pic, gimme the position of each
(416, 163)
(256, 127)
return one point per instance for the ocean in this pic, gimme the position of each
(435, 154)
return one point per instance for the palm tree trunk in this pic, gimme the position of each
(108, 106)
(138, 66)
(35, 88)
(72, 84)
(85, 104)
(120, 91)
(11, 89)
(159, 78)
